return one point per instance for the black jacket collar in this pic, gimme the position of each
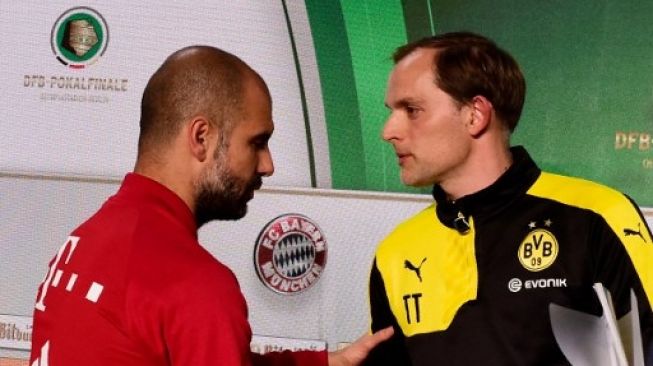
(481, 205)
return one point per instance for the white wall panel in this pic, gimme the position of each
(99, 139)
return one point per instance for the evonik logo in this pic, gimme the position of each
(516, 285)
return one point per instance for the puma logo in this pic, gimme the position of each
(629, 232)
(412, 267)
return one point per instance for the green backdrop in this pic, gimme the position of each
(588, 66)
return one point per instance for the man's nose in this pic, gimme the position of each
(266, 165)
(390, 129)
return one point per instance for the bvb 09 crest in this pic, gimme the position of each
(290, 254)
(538, 250)
(79, 37)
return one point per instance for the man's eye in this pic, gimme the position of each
(260, 144)
(412, 112)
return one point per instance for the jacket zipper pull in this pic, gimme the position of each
(460, 223)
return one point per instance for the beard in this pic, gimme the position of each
(220, 195)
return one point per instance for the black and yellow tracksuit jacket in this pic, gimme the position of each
(470, 282)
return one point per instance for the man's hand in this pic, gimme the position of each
(355, 353)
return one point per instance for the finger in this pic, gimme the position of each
(371, 340)
(384, 334)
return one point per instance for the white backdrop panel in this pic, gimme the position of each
(99, 139)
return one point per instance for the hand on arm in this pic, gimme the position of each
(356, 353)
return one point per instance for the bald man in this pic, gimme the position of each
(132, 285)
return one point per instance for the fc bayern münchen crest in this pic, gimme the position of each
(290, 254)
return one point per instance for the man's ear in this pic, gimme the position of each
(480, 115)
(199, 135)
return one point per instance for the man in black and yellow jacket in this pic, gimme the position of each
(469, 280)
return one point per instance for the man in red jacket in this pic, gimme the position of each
(132, 285)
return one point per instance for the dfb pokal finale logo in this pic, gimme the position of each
(290, 254)
(79, 37)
